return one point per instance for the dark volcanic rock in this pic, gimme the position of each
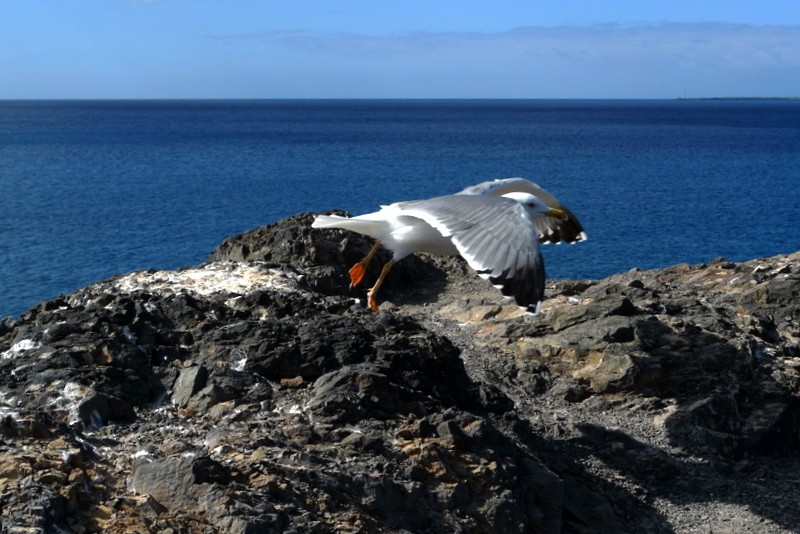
(250, 395)
(325, 258)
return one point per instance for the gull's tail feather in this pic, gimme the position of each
(374, 229)
(329, 221)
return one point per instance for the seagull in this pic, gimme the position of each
(496, 226)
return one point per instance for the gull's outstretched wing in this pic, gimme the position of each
(495, 236)
(550, 230)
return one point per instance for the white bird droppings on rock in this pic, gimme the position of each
(211, 279)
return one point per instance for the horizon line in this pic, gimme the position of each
(252, 99)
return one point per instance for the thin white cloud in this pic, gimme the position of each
(600, 61)
(728, 46)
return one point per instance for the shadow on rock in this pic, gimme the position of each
(701, 360)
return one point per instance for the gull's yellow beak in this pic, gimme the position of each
(557, 214)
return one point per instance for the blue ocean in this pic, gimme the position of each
(96, 188)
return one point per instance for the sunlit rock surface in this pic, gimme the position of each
(255, 393)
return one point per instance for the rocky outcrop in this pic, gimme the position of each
(254, 393)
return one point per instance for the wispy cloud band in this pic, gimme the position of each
(700, 45)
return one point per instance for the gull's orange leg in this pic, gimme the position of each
(372, 292)
(358, 270)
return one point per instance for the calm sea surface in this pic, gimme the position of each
(93, 189)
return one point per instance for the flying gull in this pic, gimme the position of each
(495, 226)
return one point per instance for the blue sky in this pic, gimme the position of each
(398, 49)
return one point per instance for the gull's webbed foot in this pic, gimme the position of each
(357, 272)
(371, 301)
(374, 291)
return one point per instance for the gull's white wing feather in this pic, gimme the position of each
(494, 235)
(501, 186)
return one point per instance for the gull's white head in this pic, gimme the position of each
(535, 207)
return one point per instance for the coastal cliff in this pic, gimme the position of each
(255, 393)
